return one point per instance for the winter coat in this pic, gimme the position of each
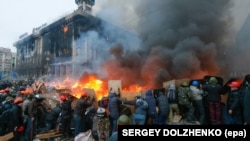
(150, 99)
(81, 106)
(53, 114)
(233, 101)
(172, 94)
(66, 109)
(246, 104)
(114, 105)
(196, 93)
(140, 104)
(163, 105)
(213, 92)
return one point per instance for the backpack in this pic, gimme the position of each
(184, 95)
(172, 96)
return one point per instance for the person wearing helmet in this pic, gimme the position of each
(103, 124)
(122, 120)
(195, 83)
(79, 113)
(233, 104)
(36, 112)
(197, 101)
(7, 103)
(185, 102)
(212, 101)
(17, 118)
(140, 106)
(66, 112)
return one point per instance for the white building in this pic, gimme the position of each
(7, 61)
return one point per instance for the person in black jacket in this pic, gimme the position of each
(66, 112)
(212, 101)
(79, 113)
(17, 119)
(245, 98)
(51, 118)
(233, 103)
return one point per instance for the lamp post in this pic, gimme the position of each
(47, 60)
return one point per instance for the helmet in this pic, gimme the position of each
(234, 84)
(123, 120)
(139, 101)
(63, 98)
(100, 112)
(195, 83)
(9, 99)
(39, 96)
(213, 80)
(84, 94)
(184, 84)
(18, 100)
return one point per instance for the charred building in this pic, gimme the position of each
(51, 49)
(69, 45)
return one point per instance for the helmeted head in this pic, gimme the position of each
(195, 83)
(100, 112)
(39, 97)
(234, 84)
(63, 98)
(9, 99)
(123, 120)
(18, 100)
(213, 80)
(84, 94)
(184, 84)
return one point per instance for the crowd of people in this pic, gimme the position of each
(195, 101)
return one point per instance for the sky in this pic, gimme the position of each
(21, 16)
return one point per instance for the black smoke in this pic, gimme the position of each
(179, 39)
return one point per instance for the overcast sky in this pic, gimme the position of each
(20, 16)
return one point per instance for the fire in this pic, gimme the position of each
(92, 82)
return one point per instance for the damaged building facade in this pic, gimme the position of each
(51, 49)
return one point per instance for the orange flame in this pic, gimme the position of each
(91, 81)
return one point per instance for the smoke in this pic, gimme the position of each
(178, 39)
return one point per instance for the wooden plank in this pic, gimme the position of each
(90, 92)
(115, 85)
(177, 82)
(7, 137)
(49, 134)
(166, 84)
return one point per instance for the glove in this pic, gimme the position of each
(19, 128)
